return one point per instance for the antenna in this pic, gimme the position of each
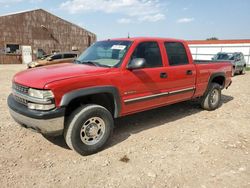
(128, 35)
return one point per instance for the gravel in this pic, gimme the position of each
(175, 146)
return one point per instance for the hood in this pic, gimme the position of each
(39, 77)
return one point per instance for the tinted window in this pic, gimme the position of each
(57, 56)
(150, 52)
(176, 53)
(70, 55)
(12, 48)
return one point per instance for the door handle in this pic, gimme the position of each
(163, 75)
(189, 72)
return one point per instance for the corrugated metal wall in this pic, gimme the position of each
(207, 51)
(40, 30)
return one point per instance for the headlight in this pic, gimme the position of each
(41, 99)
(41, 94)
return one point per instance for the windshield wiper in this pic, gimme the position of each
(91, 63)
(94, 63)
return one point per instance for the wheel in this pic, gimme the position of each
(88, 129)
(243, 71)
(212, 98)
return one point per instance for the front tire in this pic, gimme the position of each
(243, 71)
(88, 129)
(212, 99)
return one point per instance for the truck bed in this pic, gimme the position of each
(209, 61)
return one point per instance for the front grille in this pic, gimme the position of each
(20, 100)
(20, 88)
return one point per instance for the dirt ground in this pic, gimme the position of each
(175, 146)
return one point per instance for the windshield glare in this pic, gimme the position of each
(104, 53)
(224, 57)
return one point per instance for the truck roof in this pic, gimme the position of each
(147, 38)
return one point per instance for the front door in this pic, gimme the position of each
(142, 88)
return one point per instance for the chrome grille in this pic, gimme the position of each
(20, 88)
(20, 100)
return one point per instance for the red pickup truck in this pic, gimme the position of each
(112, 78)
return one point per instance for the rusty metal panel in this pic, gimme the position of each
(41, 30)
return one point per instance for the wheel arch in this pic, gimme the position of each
(107, 96)
(218, 78)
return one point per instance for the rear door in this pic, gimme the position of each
(181, 72)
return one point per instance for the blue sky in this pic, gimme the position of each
(184, 19)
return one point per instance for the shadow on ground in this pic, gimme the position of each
(133, 124)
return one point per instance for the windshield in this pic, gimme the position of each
(224, 57)
(104, 53)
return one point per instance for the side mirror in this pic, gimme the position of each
(137, 63)
(212, 58)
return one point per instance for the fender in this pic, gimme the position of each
(213, 75)
(211, 78)
(68, 97)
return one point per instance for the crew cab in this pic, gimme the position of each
(113, 78)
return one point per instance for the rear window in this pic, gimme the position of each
(176, 53)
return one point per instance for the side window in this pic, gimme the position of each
(150, 51)
(57, 56)
(12, 49)
(69, 55)
(238, 57)
(176, 53)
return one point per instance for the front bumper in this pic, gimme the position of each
(45, 122)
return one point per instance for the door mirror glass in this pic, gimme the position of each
(137, 63)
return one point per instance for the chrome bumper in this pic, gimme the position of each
(48, 126)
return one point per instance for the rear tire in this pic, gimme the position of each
(88, 129)
(243, 71)
(212, 98)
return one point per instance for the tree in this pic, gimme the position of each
(213, 38)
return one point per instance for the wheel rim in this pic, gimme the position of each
(92, 131)
(214, 97)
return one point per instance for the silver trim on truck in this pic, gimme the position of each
(48, 126)
(31, 99)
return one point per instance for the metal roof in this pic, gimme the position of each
(233, 41)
